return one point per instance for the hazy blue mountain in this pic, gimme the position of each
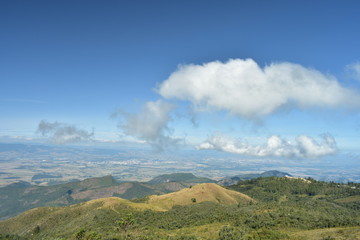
(179, 177)
(235, 179)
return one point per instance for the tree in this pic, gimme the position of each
(80, 234)
(230, 233)
(36, 229)
(125, 223)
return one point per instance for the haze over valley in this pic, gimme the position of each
(41, 164)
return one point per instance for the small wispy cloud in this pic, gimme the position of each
(353, 70)
(245, 89)
(150, 124)
(61, 133)
(15, 138)
(302, 147)
(20, 100)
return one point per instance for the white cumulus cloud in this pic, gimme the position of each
(302, 147)
(61, 133)
(150, 124)
(245, 89)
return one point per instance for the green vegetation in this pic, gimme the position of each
(275, 208)
(275, 189)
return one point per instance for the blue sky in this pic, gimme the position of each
(76, 63)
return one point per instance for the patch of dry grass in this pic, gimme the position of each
(199, 193)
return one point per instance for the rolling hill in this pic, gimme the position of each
(206, 192)
(94, 214)
(262, 208)
(19, 197)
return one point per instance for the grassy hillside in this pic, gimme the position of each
(101, 214)
(206, 192)
(284, 208)
(275, 189)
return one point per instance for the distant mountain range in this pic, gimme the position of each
(180, 177)
(235, 179)
(21, 196)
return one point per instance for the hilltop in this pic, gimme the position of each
(206, 192)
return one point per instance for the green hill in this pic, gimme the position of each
(205, 192)
(100, 213)
(283, 208)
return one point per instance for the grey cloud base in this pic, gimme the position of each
(61, 133)
(150, 124)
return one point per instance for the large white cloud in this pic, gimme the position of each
(150, 124)
(245, 89)
(302, 147)
(61, 133)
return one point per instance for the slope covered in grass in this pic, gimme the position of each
(101, 214)
(206, 192)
